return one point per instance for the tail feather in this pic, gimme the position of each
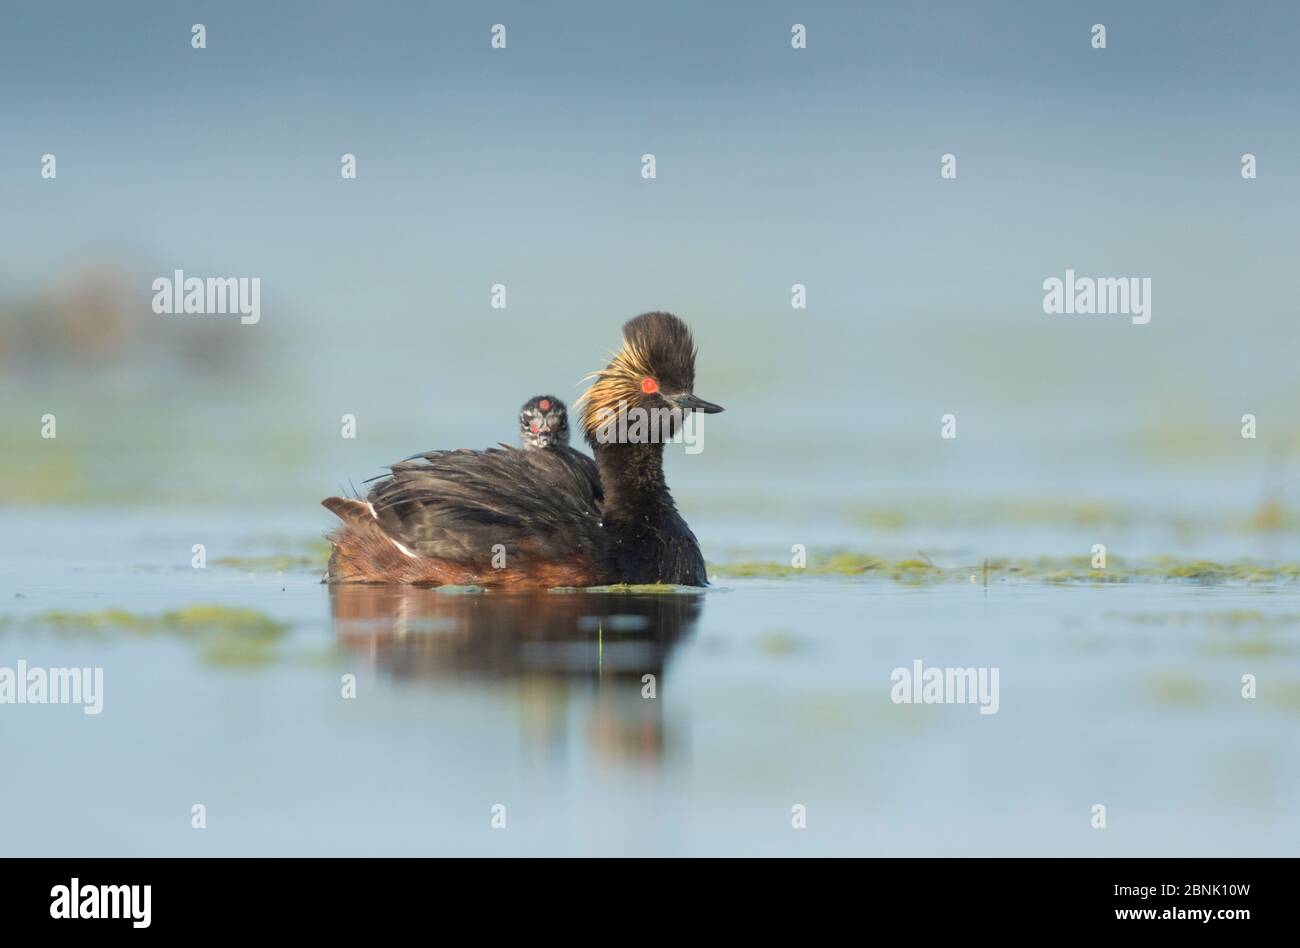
(356, 512)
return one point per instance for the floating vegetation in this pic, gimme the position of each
(225, 635)
(836, 564)
(1207, 571)
(1256, 647)
(1175, 690)
(1284, 696)
(778, 643)
(1227, 618)
(919, 511)
(915, 572)
(274, 562)
(1073, 570)
(640, 589)
(1269, 516)
(288, 555)
(1234, 633)
(750, 569)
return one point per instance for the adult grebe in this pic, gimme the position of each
(511, 517)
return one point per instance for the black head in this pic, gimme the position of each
(662, 345)
(543, 421)
(655, 369)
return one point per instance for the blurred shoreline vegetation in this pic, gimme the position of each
(99, 317)
(158, 412)
(147, 409)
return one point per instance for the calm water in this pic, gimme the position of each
(924, 300)
(770, 693)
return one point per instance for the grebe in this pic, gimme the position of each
(543, 421)
(512, 517)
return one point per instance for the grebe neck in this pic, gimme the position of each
(632, 477)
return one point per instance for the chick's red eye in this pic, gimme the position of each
(649, 385)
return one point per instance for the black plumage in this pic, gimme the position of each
(458, 504)
(558, 517)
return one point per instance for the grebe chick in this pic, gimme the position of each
(521, 517)
(543, 421)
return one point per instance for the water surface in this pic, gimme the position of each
(768, 693)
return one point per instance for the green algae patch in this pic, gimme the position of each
(778, 643)
(644, 589)
(1198, 569)
(309, 554)
(1246, 648)
(1230, 633)
(915, 572)
(752, 569)
(848, 564)
(225, 635)
(1226, 618)
(1079, 577)
(881, 518)
(912, 565)
(1066, 570)
(272, 563)
(238, 653)
(835, 564)
(1271, 516)
(224, 619)
(1177, 691)
(103, 619)
(995, 512)
(187, 620)
(1282, 696)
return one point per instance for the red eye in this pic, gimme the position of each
(649, 385)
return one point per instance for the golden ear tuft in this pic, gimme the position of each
(622, 381)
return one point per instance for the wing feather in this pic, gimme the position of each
(459, 504)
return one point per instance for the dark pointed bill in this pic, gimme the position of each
(691, 403)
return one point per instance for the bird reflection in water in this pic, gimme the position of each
(556, 647)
